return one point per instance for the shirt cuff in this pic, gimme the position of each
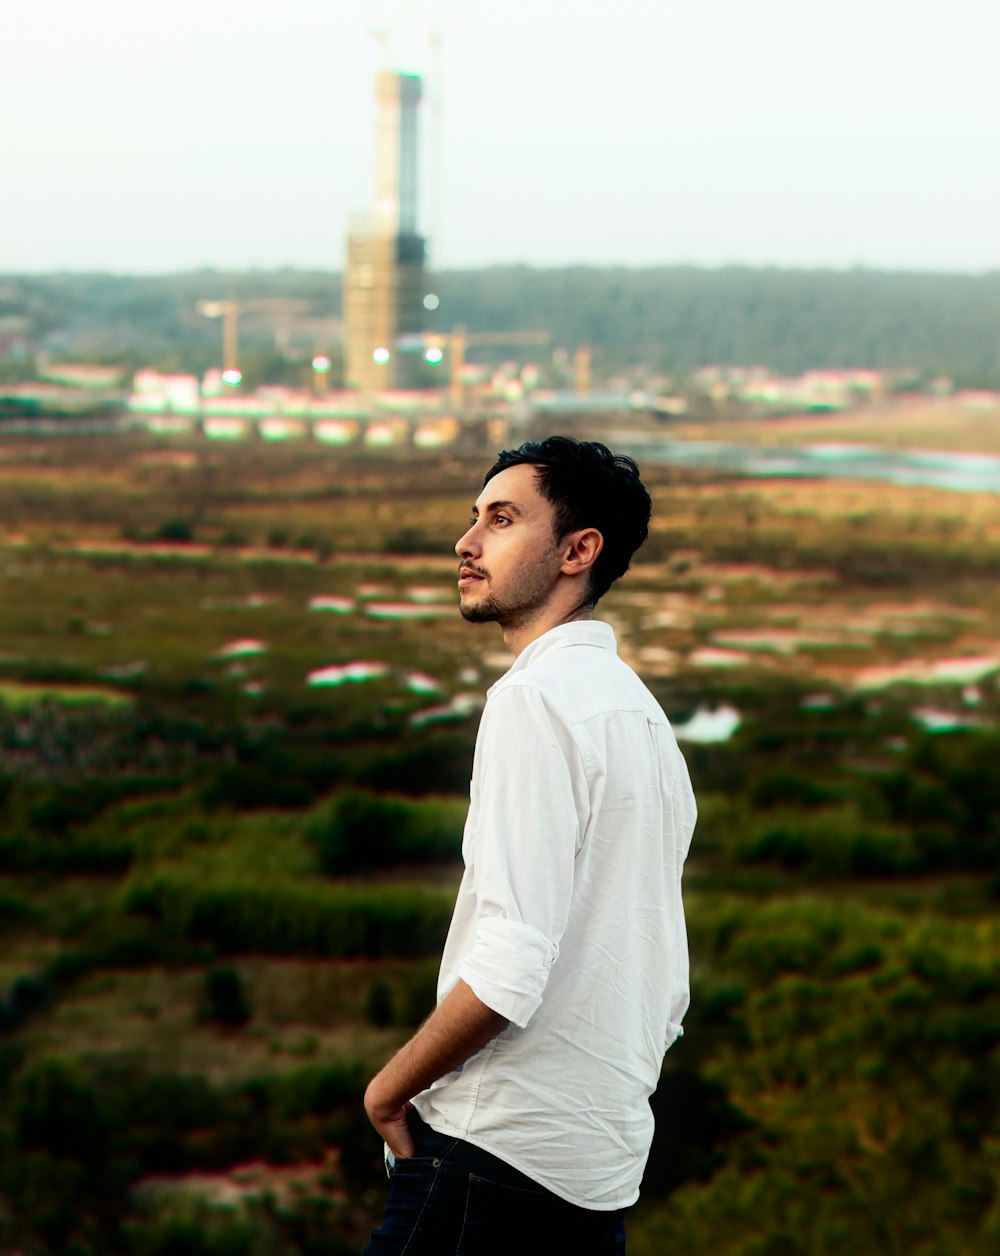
(508, 967)
(674, 1031)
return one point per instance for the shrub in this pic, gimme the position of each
(315, 1090)
(694, 1121)
(419, 993)
(65, 806)
(787, 788)
(175, 531)
(54, 1166)
(232, 538)
(428, 763)
(361, 832)
(289, 917)
(414, 541)
(180, 1223)
(21, 852)
(57, 1110)
(172, 1123)
(15, 911)
(226, 998)
(183, 1225)
(835, 841)
(27, 995)
(948, 791)
(243, 787)
(721, 822)
(379, 1004)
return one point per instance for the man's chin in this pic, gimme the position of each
(479, 612)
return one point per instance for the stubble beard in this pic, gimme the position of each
(490, 611)
(527, 599)
(485, 612)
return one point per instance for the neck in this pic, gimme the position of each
(517, 636)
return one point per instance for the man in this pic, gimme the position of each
(517, 1119)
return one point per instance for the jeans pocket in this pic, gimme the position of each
(501, 1218)
(416, 1210)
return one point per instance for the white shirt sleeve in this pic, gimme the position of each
(529, 798)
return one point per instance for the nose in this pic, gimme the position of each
(466, 546)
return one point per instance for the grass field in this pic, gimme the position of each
(237, 710)
(971, 425)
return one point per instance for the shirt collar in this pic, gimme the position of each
(591, 632)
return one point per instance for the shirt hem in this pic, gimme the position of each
(450, 1131)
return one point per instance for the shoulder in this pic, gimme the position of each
(574, 685)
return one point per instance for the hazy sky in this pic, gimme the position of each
(156, 135)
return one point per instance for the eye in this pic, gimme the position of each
(501, 520)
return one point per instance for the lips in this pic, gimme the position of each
(468, 576)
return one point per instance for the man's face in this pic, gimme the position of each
(510, 558)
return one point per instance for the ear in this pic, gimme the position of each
(580, 551)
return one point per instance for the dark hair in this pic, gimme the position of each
(590, 487)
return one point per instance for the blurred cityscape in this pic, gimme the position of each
(388, 354)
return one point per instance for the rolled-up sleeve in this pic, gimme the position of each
(529, 796)
(508, 967)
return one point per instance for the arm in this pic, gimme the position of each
(458, 1027)
(522, 899)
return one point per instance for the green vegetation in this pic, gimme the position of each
(672, 318)
(224, 890)
(861, 1044)
(362, 832)
(684, 317)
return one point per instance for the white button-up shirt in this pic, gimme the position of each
(569, 919)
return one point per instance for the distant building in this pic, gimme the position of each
(154, 392)
(815, 390)
(81, 375)
(384, 283)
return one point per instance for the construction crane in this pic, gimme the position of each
(282, 309)
(581, 364)
(459, 340)
(226, 310)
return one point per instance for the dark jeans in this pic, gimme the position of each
(451, 1199)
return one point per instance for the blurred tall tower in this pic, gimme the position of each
(384, 276)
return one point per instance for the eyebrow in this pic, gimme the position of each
(498, 505)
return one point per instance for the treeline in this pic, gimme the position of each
(681, 318)
(671, 318)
